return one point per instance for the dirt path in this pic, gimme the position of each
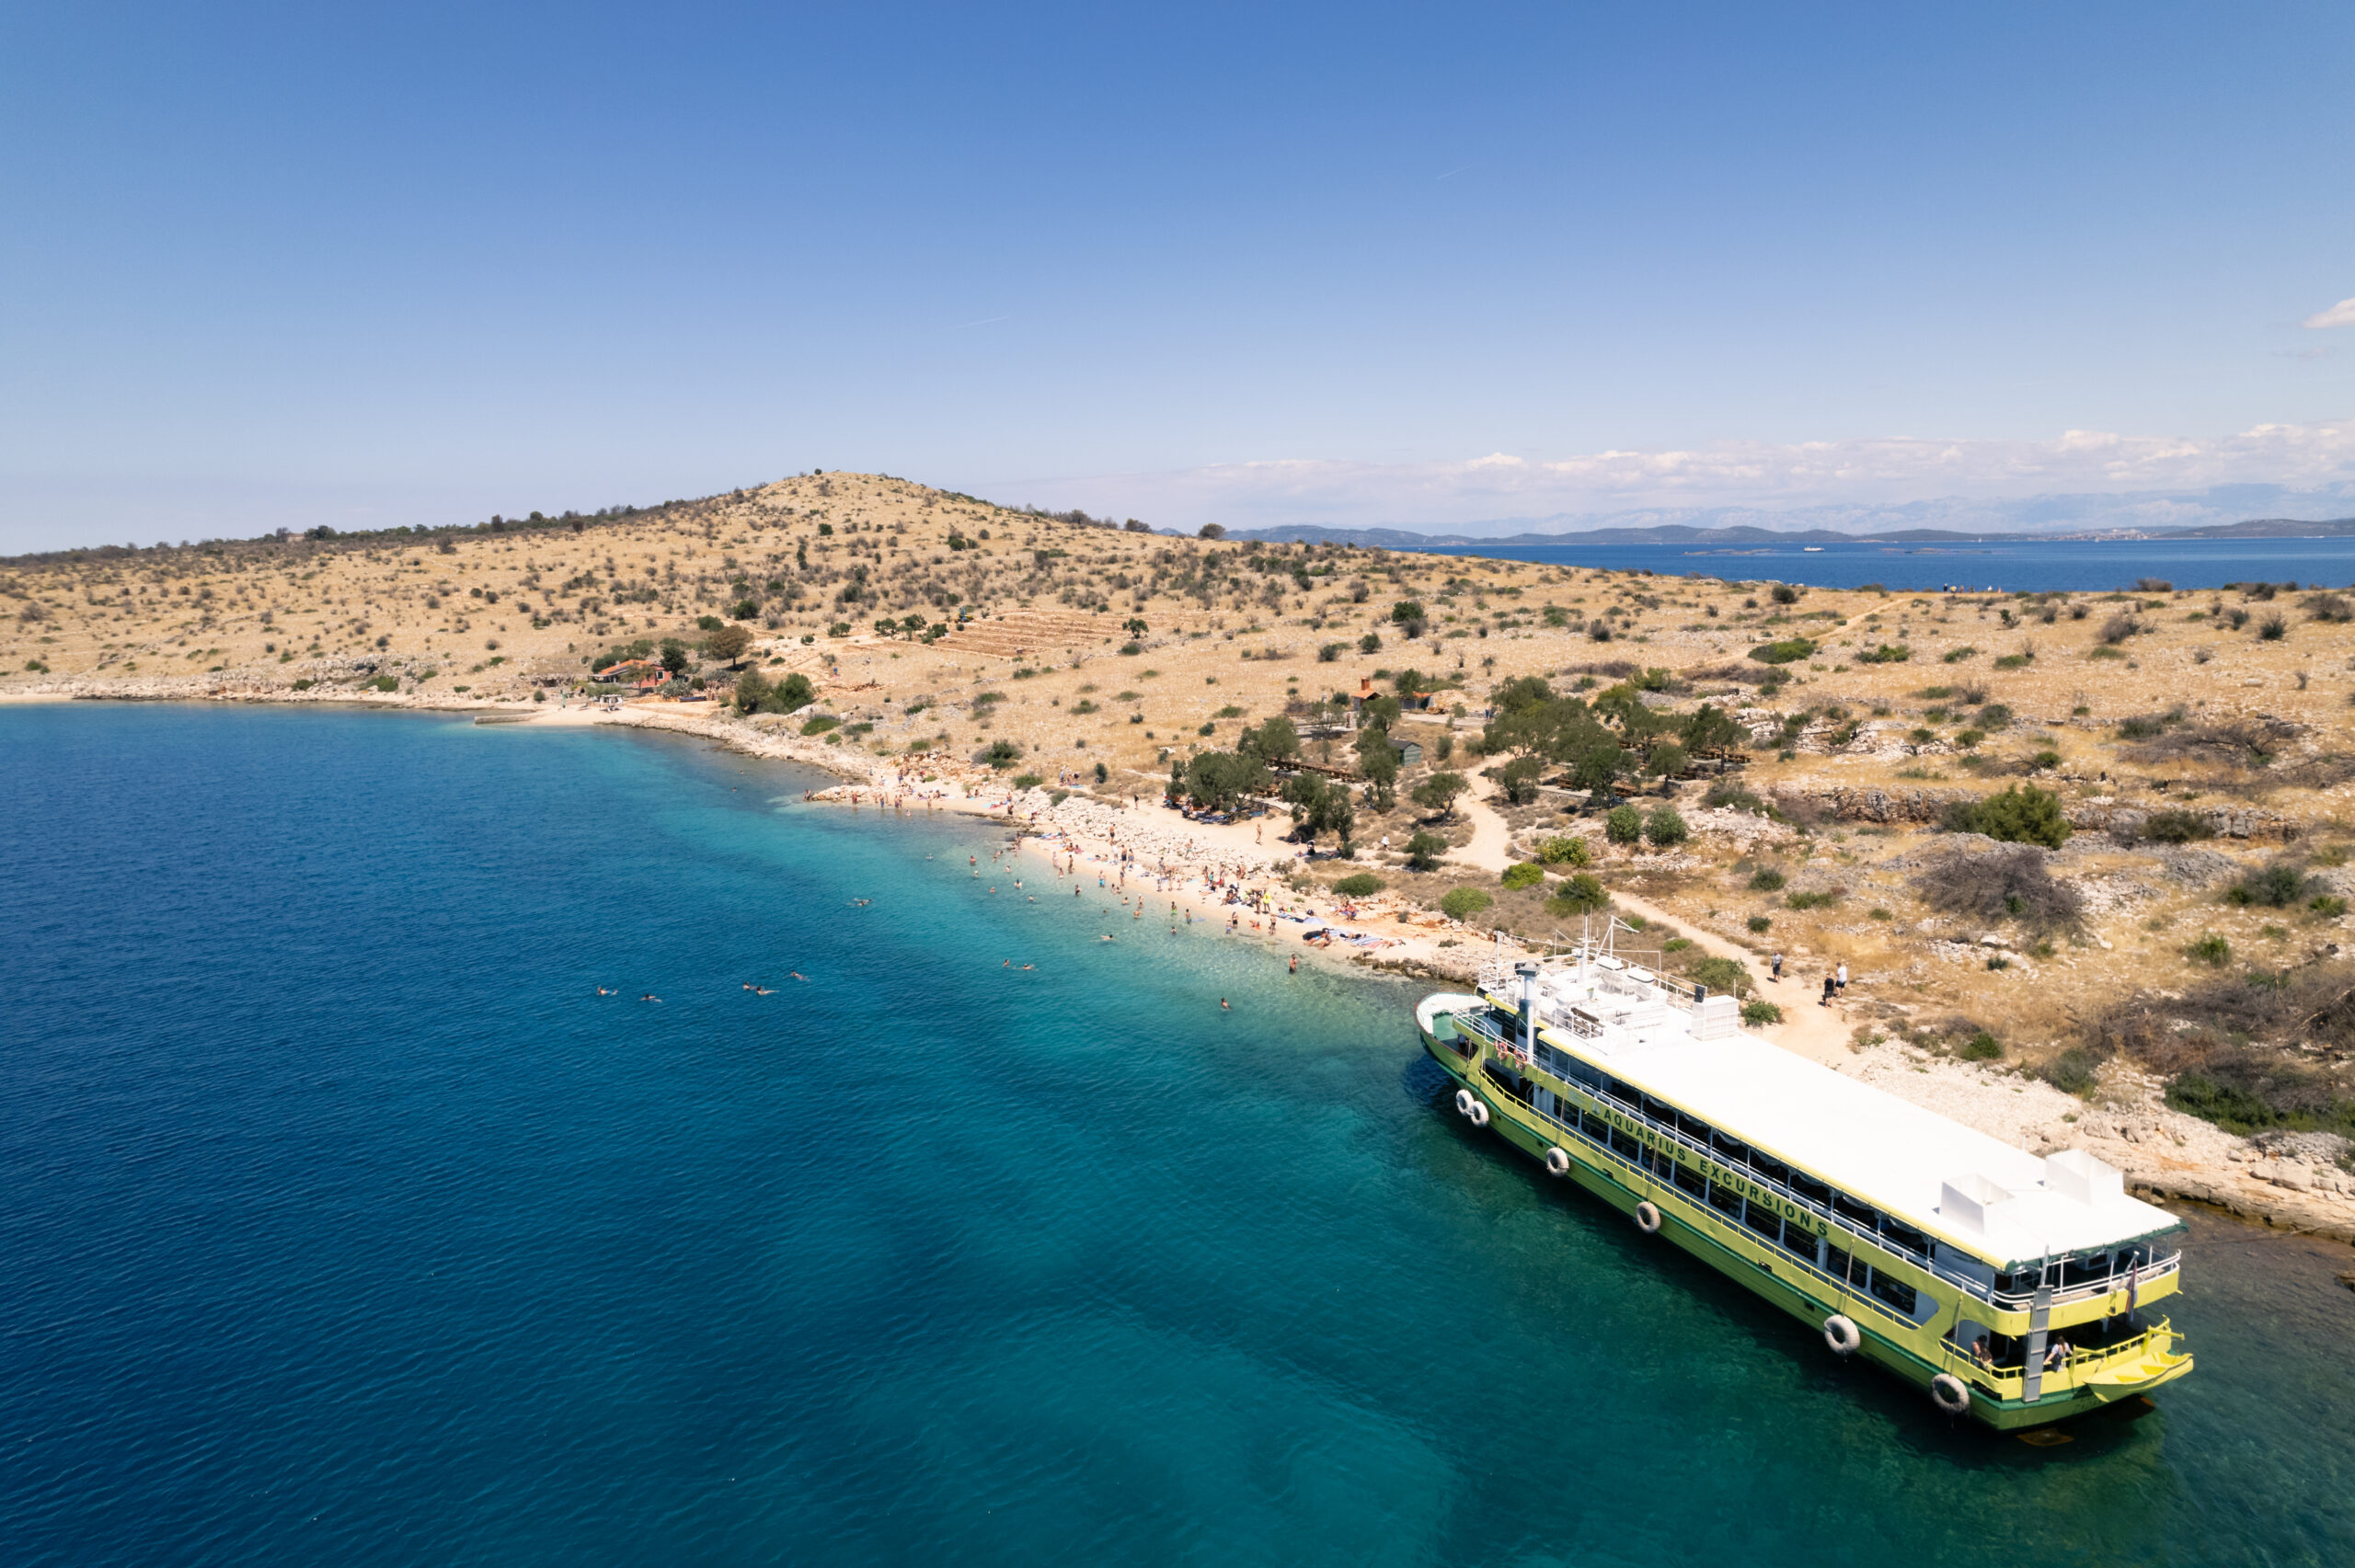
(1808, 1029)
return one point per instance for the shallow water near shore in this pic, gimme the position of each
(340, 1220)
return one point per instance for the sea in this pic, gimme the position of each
(360, 1203)
(1994, 563)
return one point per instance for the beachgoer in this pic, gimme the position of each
(1842, 977)
(1829, 986)
(1222, 1006)
(1775, 971)
(1296, 964)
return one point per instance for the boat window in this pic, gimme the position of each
(2084, 1270)
(2008, 1349)
(1807, 1187)
(1624, 1093)
(1725, 1199)
(2020, 1283)
(1691, 1180)
(1848, 1208)
(1773, 1169)
(1732, 1150)
(1660, 1110)
(1842, 1266)
(1594, 1128)
(1694, 1128)
(1581, 1073)
(1625, 1143)
(1798, 1238)
(1955, 1261)
(1905, 1236)
(1764, 1219)
(1894, 1291)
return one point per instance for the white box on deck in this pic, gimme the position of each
(1717, 1017)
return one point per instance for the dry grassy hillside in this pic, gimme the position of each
(2218, 722)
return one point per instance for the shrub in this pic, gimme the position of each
(1727, 793)
(1624, 824)
(1791, 650)
(2020, 815)
(2177, 826)
(2327, 905)
(1423, 850)
(2273, 629)
(1002, 754)
(2210, 949)
(1887, 653)
(1358, 884)
(1981, 1047)
(1719, 974)
(1758, 925)
(1784, 593)
(2045, 761)
(1028, 781)
(304, 685)
(1761, 1013)
(1582, 894)
(1565, 849)
(1956, 656)
(1524, 875)
(1665, 826)
(821, 724)
(1328, 653)
(1991, 886)
(1369, 642)
(1811, 900)
(1462, 903)
(1767, 879)
(2072, 1072)
(2234, 1109)
(2276, 887)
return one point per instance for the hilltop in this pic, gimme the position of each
(2196, 746)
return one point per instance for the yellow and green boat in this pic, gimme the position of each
(2017, 1290)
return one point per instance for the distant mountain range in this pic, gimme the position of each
(1744, 534)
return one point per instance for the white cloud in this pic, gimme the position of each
(2340, 315)
(2156, 471)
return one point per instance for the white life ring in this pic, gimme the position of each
(1463, 1101)
(1478, 1113)
(1843, 1335)
(1951, 1396)
(1648, 1218)
(1559, 1162)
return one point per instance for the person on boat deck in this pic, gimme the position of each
(2056, 1355)
(1981, 1354)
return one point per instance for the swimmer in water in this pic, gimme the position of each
(799, 976)
(1222, 1006)
(1030, 965)
(650, 996)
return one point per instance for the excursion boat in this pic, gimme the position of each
(2017, 1291)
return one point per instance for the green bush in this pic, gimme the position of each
(1767, 879)
(1761, 1013)
(304, 685)
(2234, 1109)
(1758, 925)
(819, 725)
(2276, 887)
(1462, 903)
(2022, 814)
(1887, 653)
(1028, 781)
(1565, 849)
(1624, 824)
(1581, 895)
(1526, 874)
(1983, 1047)
(2210, 949)
(1719, 974)
(385, 683)
(1665, 826)
(2072, 1072)
(1358, 884)
(1811, 900)
(2177, 826)
(1423, 850)
(2329, 906)
(1791, 650)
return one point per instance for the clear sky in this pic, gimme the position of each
(270, 265)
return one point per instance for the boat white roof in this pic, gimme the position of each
(1960, 1184)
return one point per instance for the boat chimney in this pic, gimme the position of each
(1528, 973)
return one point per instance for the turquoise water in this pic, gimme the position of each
(340, 1222)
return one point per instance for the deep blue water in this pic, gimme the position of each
(341, 1223)
(2006, 565)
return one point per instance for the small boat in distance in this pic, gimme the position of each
(2015, 1290)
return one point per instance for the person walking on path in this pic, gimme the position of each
(1843, 977)
(1774, 970)
(1829, 985)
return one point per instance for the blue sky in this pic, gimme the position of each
(266, 265)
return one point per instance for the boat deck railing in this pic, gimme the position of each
(1487, 1031)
